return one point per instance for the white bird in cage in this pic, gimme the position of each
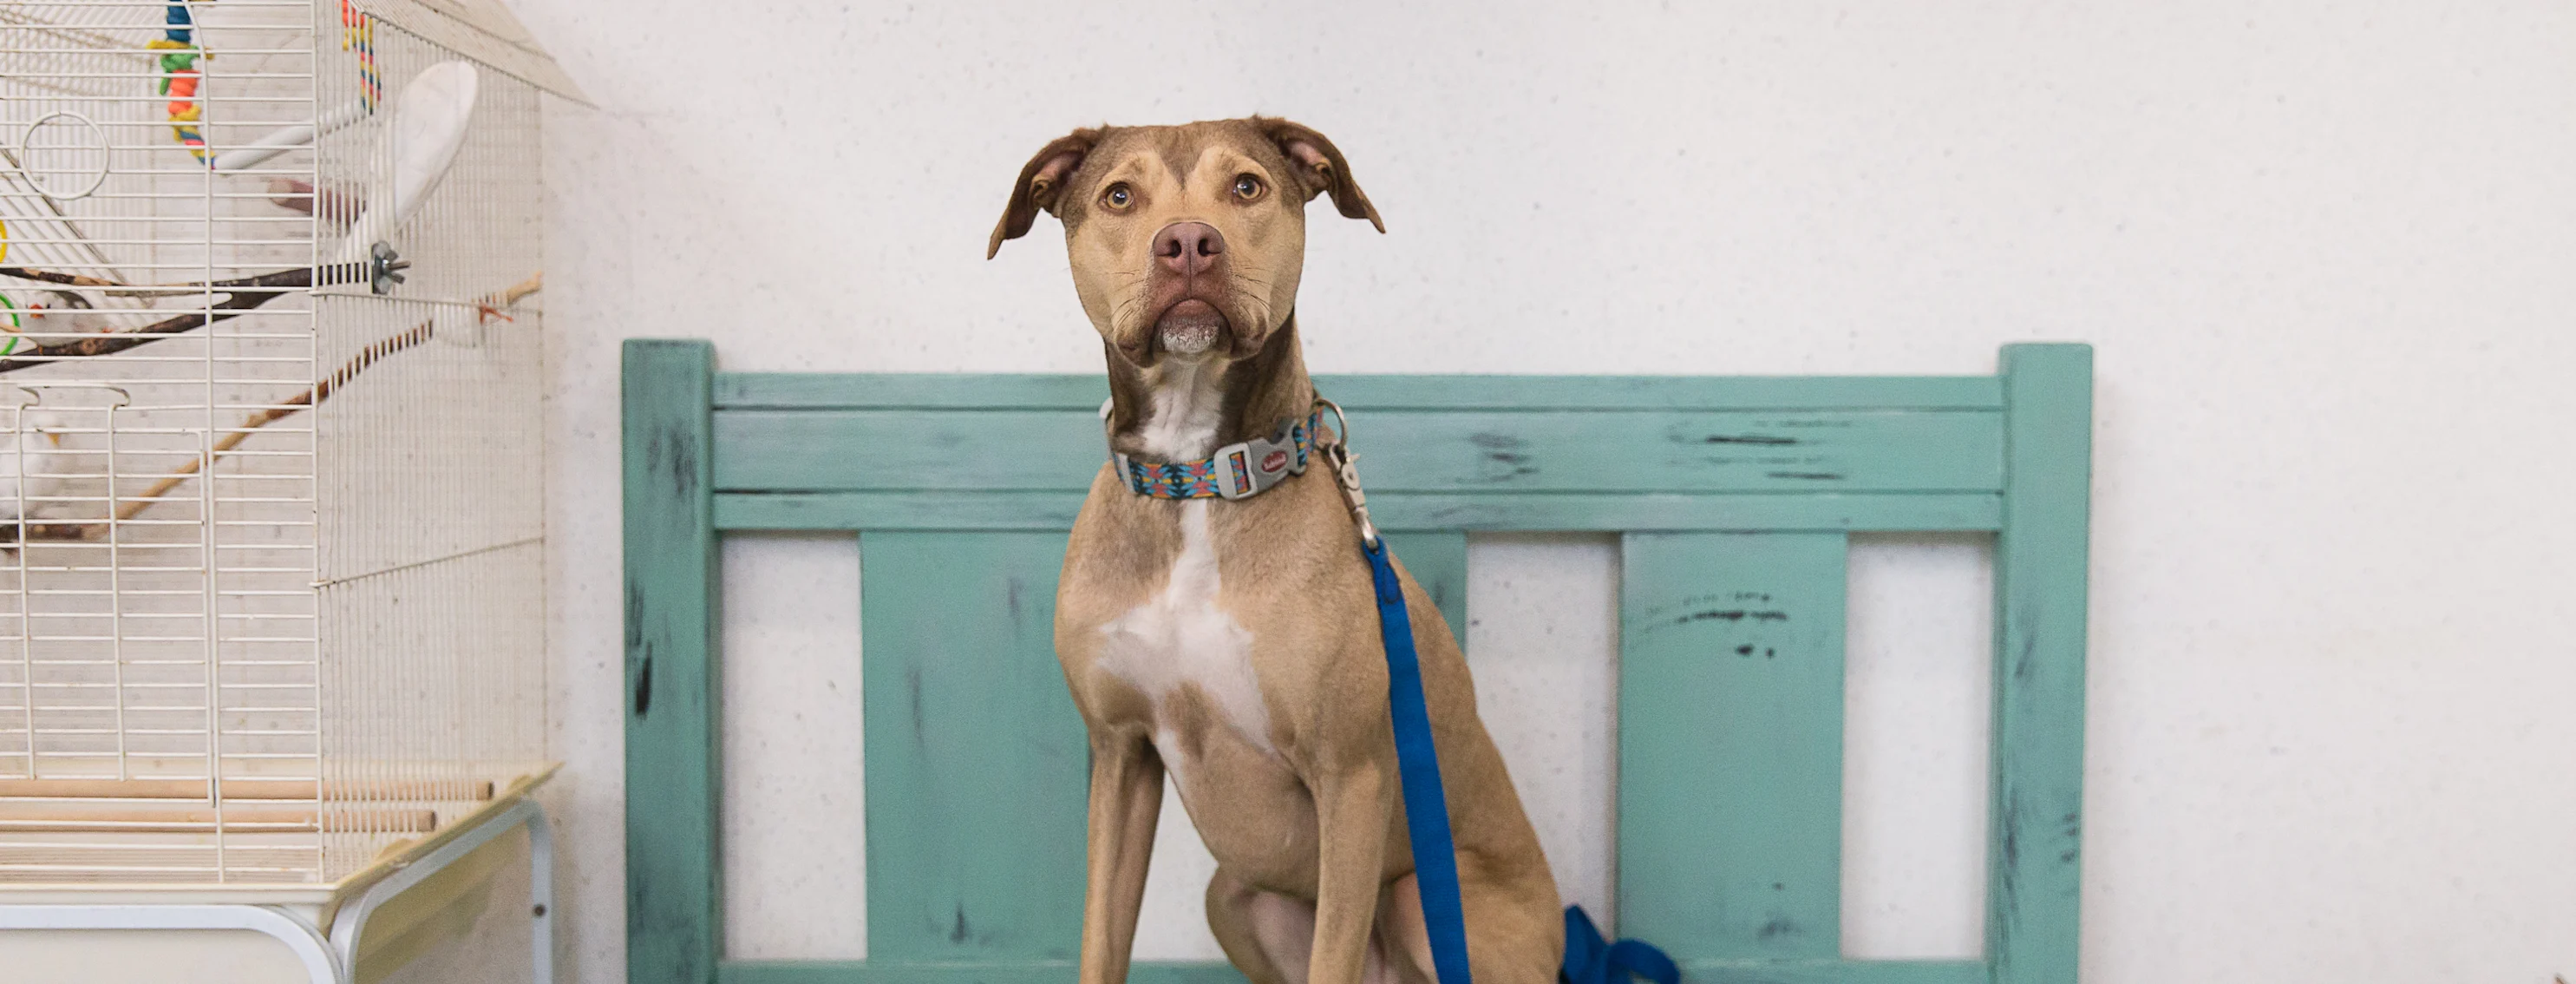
(35, 466)
(62, 314)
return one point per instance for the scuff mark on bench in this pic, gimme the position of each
(1732, 615)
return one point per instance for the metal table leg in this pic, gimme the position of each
(352, 921)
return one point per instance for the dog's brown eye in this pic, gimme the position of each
(1247, 187)
(1118, 196)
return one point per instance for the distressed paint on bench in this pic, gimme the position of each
(976, 762)
(1488, 512)
(1407, 450)
(2041, 560)
(975, 816)
(673, 903)
(861, 391)
(1731, 719)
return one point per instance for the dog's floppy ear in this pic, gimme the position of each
(1041, 182)
(1320, 168)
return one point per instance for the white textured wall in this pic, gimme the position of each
(2327, 250)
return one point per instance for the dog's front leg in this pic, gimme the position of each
(1126, 800)
(1351, 816)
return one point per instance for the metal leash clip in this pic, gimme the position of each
(1346, 472)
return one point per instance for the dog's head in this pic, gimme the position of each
(1187, 241)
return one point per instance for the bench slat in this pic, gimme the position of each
(1730, 743)
(1400, 450)
(1538, 512)
(976, 762)
(788, 390)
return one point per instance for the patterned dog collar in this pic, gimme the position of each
(1236, 471)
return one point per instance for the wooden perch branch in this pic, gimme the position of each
(65, 279)
(281, 281)
(241, 295)
(320, 391)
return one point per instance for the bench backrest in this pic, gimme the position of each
(1734, 498)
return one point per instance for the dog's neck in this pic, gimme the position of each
(1179, 411)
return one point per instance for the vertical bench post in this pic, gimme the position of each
(2040, 564)
(672, 881)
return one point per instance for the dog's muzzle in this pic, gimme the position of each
(1190, 327)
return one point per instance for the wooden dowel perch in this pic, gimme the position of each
(243, 789)
(198, 819)
(241, 295)
(319, 392)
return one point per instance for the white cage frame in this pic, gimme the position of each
(272, 610)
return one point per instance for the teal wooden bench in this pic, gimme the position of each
(1734, 498)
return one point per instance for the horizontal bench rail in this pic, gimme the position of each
(949, 391)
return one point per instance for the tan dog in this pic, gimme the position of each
(1234, 643)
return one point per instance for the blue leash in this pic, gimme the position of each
(1426, 807)
(1589, 959)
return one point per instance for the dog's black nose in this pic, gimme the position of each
(1188, 248)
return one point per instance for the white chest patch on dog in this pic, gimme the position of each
(1181, 636)
(1189, 401)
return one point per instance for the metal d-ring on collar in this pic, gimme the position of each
(1346, 472)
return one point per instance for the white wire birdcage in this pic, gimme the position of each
(272, 598)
